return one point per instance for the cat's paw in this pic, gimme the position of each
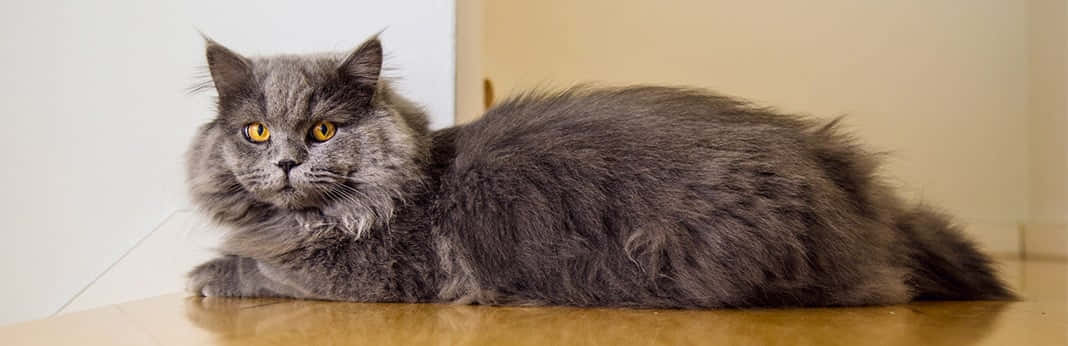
(215, 278)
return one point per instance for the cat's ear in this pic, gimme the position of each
(364, 65)
(230, 71)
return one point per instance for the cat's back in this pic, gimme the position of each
(646, 122)
(585, 190)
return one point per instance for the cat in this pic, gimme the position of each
(331, 186)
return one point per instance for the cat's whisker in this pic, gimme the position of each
(348, 196)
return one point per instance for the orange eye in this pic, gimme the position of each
(257, 132)
(323, 131)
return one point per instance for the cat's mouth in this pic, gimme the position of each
(288, 196)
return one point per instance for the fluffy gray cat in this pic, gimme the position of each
(332, 187)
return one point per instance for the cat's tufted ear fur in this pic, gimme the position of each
(230, 71)
(364, 65)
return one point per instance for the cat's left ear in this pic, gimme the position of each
(230, 72)
(364, 65)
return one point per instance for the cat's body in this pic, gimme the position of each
(641, 196)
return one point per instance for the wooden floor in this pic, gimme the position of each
(1040, 319)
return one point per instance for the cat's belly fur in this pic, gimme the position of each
(664, 207)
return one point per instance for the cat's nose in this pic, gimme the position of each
(287, 164)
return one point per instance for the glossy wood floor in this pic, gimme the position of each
(1040, 319)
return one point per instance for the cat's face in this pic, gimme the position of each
(303, 132)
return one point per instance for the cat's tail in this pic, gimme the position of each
(944, 264)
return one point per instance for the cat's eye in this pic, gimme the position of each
(257, 132)
(323, 131)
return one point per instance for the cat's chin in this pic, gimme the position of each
(289, 198)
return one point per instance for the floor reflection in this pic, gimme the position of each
(235, 321)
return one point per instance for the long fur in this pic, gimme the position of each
(638, 196)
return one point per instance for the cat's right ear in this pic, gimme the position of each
(364, 65)
(230, 72)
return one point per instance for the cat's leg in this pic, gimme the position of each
(235, 276)
(364, 271)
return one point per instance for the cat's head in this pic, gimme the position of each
(315, 132)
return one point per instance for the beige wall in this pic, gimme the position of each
(943, 85)
(1045, 232)
(1048, 108)
(469, 23)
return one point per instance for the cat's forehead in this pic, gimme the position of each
(307, 68)
(288, 82)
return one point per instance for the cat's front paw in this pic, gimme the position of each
(215, 278)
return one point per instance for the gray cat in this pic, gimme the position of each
(332, 187)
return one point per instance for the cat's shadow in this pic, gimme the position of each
(280, 321)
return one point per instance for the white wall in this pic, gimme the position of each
(95, 117)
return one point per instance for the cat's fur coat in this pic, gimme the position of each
(637, 196)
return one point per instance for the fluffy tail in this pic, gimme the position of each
(946, 265)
